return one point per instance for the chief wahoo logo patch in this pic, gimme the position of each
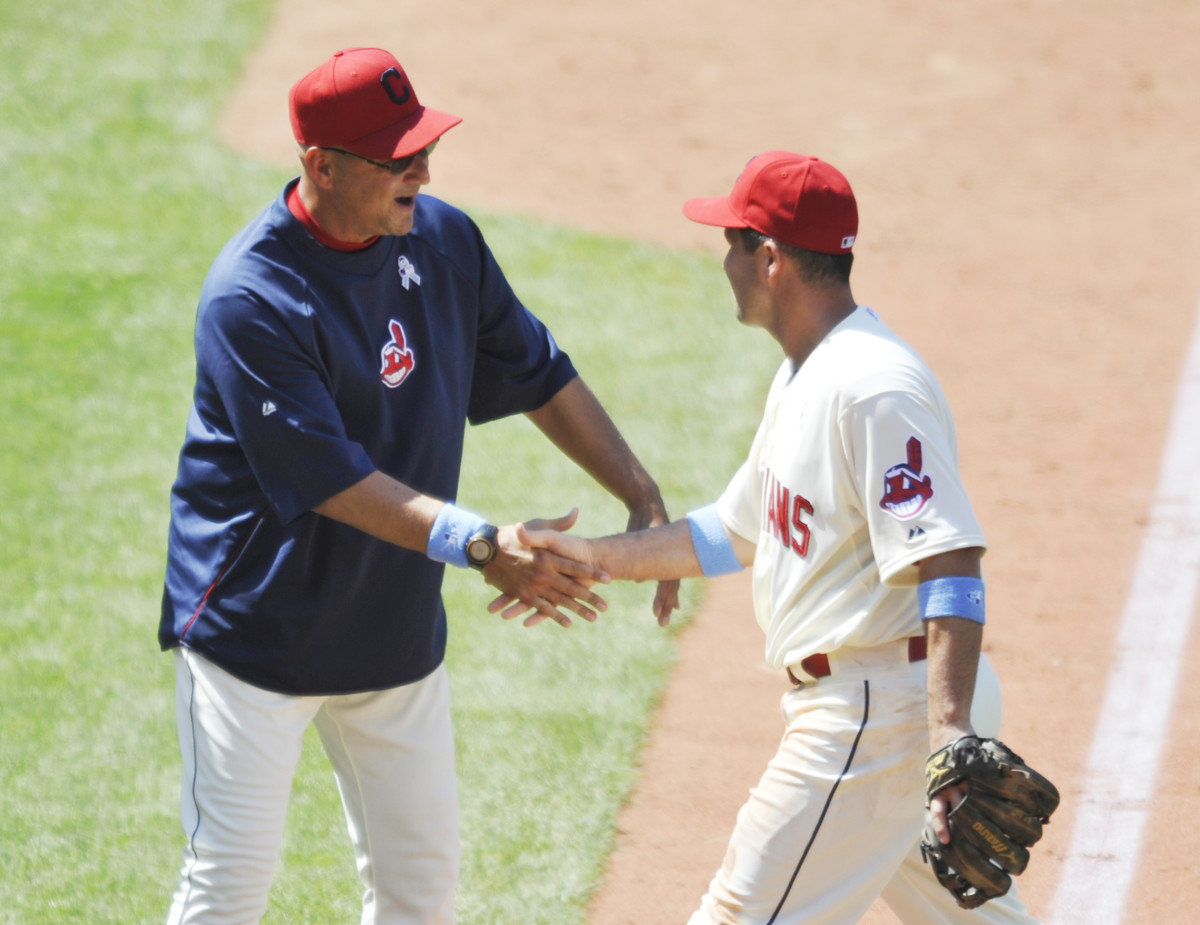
(396, 357)
(905, 490)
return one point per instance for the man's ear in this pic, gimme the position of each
(318, 164)
(769, 259)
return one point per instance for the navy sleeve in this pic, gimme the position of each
(518, 365)
(266, 384)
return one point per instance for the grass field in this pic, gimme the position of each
(117, 196)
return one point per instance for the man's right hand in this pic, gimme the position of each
(544, 574)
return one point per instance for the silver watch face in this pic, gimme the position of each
(479, 550)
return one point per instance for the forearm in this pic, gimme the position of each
(954, 644)
(392, 511)
(386, 509)
(578, 425)
(659, 554)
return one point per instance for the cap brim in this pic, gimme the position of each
(713, 210)
(408, 136)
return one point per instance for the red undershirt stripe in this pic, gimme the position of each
(296, 206)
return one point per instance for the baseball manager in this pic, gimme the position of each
(343, 340)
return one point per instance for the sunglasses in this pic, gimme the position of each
(398, 165)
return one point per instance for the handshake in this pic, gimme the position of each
(543, 573)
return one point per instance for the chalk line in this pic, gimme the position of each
(1128, 742)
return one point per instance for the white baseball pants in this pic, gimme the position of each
(837, 817)
(392, 753)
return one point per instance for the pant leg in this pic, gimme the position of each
(835, 813)
(393, 755)
(240, 746)
(914, 893)
(917, 898)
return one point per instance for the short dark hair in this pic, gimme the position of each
(814, 267)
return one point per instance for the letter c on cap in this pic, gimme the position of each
(398, 98)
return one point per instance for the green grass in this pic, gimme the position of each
(117, 196)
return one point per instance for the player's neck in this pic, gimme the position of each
(305, 204)
(810, 318)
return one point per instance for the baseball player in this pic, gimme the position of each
(866, 575)
(343, 340)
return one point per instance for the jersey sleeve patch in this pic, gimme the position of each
(906, 490)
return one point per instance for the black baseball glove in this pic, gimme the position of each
(992, 828)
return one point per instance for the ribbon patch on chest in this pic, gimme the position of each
(408, 273)
(905, 490)
(397, 359)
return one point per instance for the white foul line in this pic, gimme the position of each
(1134, 718)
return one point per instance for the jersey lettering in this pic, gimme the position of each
(800, 505)
(397, 360)
(785, 514)
(905, 490)
(779, 513)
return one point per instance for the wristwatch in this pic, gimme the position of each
(481, 547)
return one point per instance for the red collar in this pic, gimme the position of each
(296, 206)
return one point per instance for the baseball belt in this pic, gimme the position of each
(817, 665)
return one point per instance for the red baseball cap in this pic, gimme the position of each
(361, 100)
(799, 200)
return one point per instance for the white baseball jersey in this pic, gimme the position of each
(852, 479)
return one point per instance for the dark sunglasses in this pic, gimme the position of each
(397, 166)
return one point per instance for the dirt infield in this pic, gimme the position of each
(1029, 180)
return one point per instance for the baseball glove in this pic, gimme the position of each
(991, 830)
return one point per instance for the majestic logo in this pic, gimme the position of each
(408, 273)
(269, 408)
(397, 360)
(905, 490)
(386, 79)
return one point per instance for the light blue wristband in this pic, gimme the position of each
(711, 542)
(448, 536)
(952, 597)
